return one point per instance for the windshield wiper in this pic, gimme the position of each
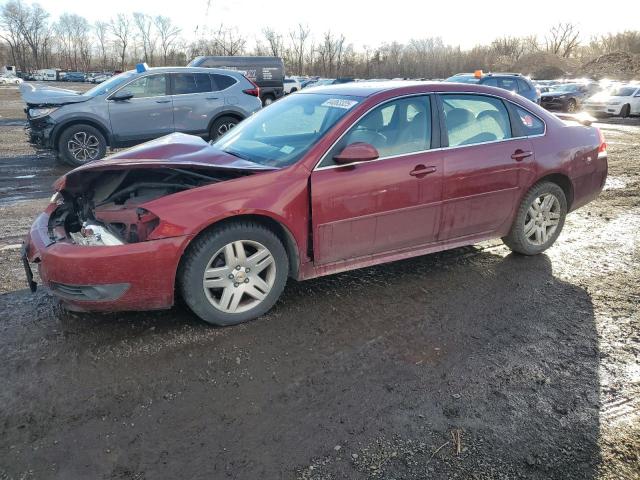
(236, 154)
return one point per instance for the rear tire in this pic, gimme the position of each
(80, 144)
(539, 219)
(268, 100)
(625, 111)
(221, 283)
(572, 106)
(221, 126)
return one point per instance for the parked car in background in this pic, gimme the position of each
(137, 106)
(266, 72)
(329, 179)
(74, 77)
(622, 101)
(291, 85)
(568, 97)
(46, 75)
(514, 82)
(10, 80)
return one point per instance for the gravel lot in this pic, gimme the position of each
(472, 364)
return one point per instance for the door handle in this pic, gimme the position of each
(163, 101)
(420, 171)
(520, 155)
(212, 98)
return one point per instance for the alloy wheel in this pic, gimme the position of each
(239, 276)
(84, 146)
(225, 127)
(543, 217)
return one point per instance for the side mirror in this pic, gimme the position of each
(356, 152)
(122, 95)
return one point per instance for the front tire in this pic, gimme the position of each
(625, 111)
(80, 144)
(572, 106)
(234, 273)
(539, 219)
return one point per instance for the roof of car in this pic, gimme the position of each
(366, 89)
(190, 70)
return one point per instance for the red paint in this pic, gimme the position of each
(361, 214)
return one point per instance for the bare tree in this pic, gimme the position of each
(10, 21)
(144, 24)
(299, 38)
(562, 39)
(102, 34)
(274, 41)
(168, 34)
(121, 29)
(229, 41)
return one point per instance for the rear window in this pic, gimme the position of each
(222, 82)
(185, 83)
(529, 123)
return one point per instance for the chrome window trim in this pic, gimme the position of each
(328, 167)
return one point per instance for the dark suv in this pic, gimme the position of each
(514, 82)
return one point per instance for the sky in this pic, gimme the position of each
(458, 22)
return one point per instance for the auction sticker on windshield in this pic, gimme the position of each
(339, 103)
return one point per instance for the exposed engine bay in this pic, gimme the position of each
(105, 206)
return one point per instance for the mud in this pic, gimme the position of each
(472, 364)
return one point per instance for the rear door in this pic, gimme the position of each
(196, 101)
(148, 114)
(484, 166)
(384, 205)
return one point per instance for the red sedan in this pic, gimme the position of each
(326, 180)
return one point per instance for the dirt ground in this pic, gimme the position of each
(471, 364)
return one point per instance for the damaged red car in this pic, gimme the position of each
(326, 180)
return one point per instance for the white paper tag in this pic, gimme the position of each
(339, 103)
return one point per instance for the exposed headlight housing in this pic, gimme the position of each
(41, 112)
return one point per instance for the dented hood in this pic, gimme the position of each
(172, 151)
(34, 94)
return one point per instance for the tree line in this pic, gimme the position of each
(31, 39)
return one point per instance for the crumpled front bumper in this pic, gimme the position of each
(135, 276)
(40, 132)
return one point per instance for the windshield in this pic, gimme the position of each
(463, 79)
(110, 85)
(569, 87)
(281, 134)
(623, 92)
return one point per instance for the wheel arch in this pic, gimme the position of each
(563, 181)
(281, 231)
(57, 133)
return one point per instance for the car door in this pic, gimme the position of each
(388, 204)
(196, 101)
(147, 114)
(483, 165)
(635, 103)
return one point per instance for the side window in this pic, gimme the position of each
(510, 84)
(149, 86)
(529, 123)
(185, 83)
(222, 82)
(523, 86)
(490, 82)
(399, 127)
(473, 119)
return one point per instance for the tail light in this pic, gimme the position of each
(255, 91)
(602, 149)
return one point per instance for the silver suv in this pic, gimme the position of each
(137, 106)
